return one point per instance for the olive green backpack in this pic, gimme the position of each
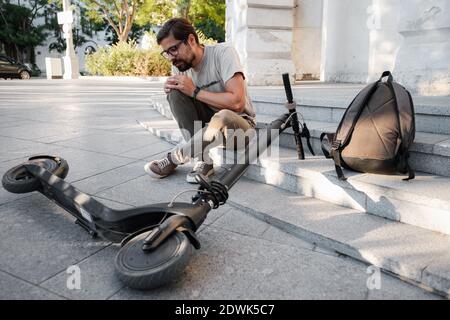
(376, 131)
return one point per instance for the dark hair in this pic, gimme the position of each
(179, 28)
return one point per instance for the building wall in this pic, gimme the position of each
(409, 37)
(307, 38)
(261, 32)
(344, 40)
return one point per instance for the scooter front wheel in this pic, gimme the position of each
(19, 180)
(140, 269)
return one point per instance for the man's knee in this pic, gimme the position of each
(222, 118)
(177, 99)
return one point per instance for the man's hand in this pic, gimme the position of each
(168, 81)
(180, 82)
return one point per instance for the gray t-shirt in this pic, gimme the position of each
(220, 63)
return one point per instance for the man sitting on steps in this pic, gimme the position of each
(207, 88)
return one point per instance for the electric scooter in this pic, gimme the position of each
(156, 240)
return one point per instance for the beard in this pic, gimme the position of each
(183, 65)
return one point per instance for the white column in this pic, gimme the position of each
(261, 32)
(71, 64)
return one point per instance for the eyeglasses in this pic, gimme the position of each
(172, 51)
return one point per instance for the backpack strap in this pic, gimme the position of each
(330, 137)
(404, 167)
(307, 135)
(333, 153)
(405, 110)
(336, 155)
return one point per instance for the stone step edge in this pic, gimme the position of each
(353, 184)
(418, 145)
(174, 137)
(263, 119)
(418, 215)
(345, 199)
(419, 108)
(431, 283)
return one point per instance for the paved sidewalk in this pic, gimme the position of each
(92, 124)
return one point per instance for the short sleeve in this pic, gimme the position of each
(229, 64)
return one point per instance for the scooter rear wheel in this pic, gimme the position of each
(140, 269)
(19, 180)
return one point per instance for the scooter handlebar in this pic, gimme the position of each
(287, 88)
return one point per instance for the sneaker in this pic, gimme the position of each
(202, 168)
(160, 168)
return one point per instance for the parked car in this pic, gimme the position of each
(9, 68)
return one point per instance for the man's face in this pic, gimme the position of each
(178, 52)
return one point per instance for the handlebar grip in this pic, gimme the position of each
(287, 88)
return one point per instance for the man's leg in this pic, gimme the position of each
(186, 112)
(223, 126)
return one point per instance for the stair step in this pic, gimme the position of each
(423, 202)
(430, 153)
(159, 103)
(419, 255)
(328, 105)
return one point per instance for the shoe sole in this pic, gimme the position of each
(193, 181)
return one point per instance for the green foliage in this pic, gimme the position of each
(119, 14)
(209, 17)
(126, 59)
(16, 26)
(155, 12)
(203, 39)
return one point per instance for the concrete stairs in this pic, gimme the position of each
(401, 227)
(430, 153)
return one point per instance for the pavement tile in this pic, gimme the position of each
(84, 164)
(97, 275)
(145, 189)
(99, 182)
(39, 239)
(13, 288)
(103, 142)
(233, 266)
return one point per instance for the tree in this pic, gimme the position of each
(209, 17)
(18, 34)
(131, 17)
(82, 27)
(156, 12)
(120, 14)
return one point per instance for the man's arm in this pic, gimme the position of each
(233, 98)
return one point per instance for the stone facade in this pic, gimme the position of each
(344, 40)
(262, 33)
